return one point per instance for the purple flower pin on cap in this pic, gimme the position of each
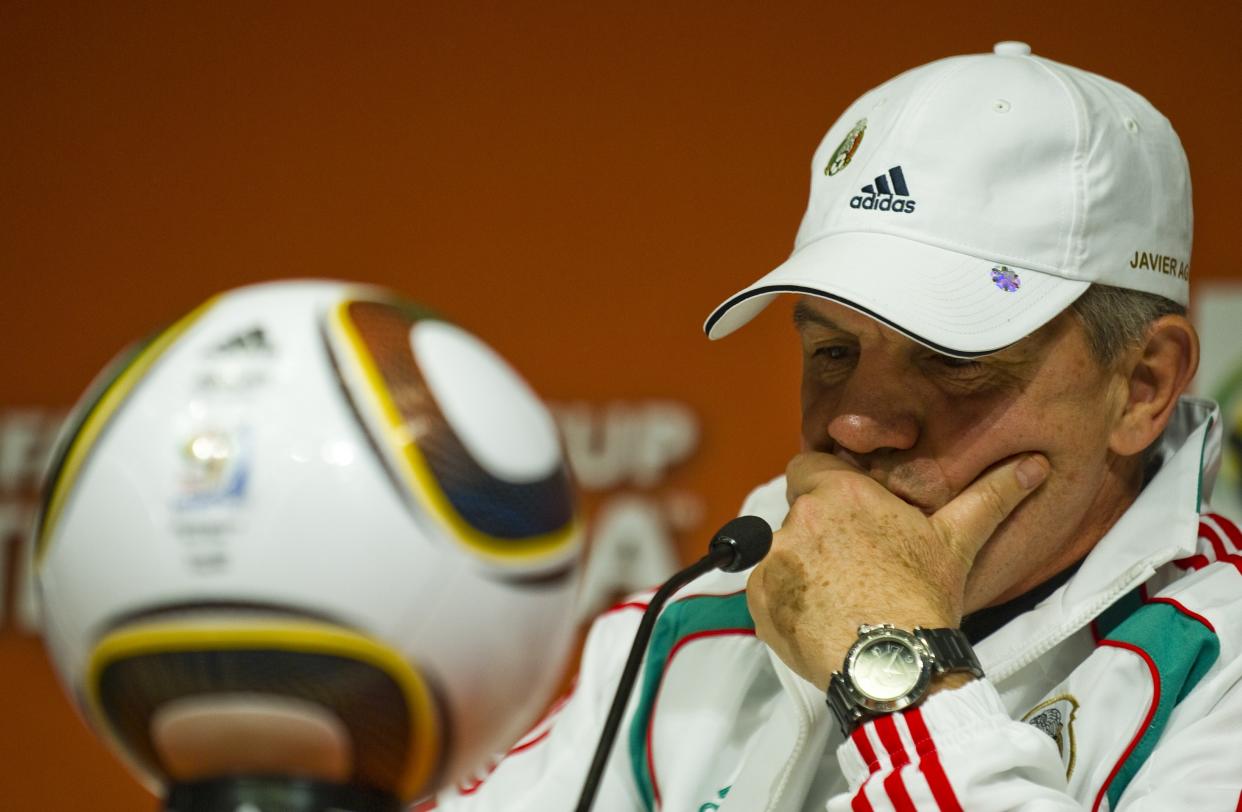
(1006, 279)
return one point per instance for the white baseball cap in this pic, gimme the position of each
(967, 202)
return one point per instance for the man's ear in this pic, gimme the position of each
(1158, 372)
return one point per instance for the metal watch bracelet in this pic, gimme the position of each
(951, 651)
(948, 651)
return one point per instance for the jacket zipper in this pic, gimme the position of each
(805, 714)
(1136, 575)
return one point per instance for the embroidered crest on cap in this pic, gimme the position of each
(849, 145)
(1006, 279)
(1055, 717)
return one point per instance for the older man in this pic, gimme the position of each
(995, 584)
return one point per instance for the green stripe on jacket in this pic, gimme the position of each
(681, 619)
(1183, 650)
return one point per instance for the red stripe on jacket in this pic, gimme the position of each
(1218, 546)
(1229, 528)
(929, 762)
(894, 785)
(1151, 713)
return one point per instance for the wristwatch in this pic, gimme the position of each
(889, 669)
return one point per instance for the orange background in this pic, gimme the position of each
(578, 183)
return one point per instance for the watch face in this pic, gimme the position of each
(886, 669)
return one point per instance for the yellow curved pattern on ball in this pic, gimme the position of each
(305, 637)
(97, 419)
(417, 474)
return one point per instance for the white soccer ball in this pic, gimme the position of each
(313, 508)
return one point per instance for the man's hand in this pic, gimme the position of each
(850, 552)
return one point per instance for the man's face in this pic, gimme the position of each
(925, 426)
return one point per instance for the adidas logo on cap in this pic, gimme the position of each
(882, 197)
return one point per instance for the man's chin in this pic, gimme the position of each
(925, 506)
(986, 585)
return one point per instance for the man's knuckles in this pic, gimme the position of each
(807, 513)
(834, 493)
(810, 470)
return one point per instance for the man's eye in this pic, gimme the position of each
(833, 352)
(958, 363)
(960, 369)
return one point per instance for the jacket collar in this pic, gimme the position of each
(1160, 526)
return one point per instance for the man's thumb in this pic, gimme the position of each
(970, 519)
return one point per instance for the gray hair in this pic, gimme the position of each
(1117, 319)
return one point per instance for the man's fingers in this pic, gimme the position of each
(806, 470)
(970, 519)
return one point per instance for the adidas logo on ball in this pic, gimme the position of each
(883, 197)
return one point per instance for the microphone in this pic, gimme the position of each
(739, 545)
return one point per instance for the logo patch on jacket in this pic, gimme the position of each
(1055, 717)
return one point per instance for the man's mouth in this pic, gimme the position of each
(923, 506)
(885, 477)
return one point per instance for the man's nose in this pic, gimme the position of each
(875, 415)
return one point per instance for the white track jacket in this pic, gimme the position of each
(1120, 691)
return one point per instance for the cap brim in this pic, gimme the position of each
(937, 297)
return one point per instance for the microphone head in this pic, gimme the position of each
(741, 543)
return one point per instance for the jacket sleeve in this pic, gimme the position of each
(961, 751)
(545, 769)
(958, 750)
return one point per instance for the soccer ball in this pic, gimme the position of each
(309, 528)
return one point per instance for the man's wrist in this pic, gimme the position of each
(949, 682)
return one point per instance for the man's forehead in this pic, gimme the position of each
(815, 311)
